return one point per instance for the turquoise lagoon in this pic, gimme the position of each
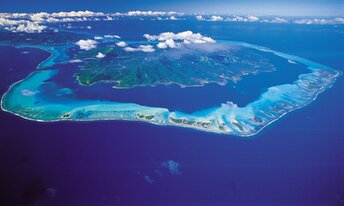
(29, 98)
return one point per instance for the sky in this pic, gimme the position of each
(240, 7)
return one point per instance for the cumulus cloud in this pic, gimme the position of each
(121, 44)
(143, 48)
(10, 22)
(86, 44)
(200, 18)
(72, 16)
(252, 18)
(28, 27)
(35, 22)
(150, 13)
(150, 37)
(243, 19)
(32, 22)
(146, 48)
(39, 16)
(216, 18)
(170, 43)
(108, 18)
(172, 40)
(130, 49)
(162, 45)
(173, 18)
(100, 55)
(20, 25)
(339, 20)
(279, 20)
(320, 21)
(77, 14)
(236, 18)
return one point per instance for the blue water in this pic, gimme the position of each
(297, 160)
(175, 98)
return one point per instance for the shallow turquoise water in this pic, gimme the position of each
(29, 99)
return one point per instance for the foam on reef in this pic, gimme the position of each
(227, 118)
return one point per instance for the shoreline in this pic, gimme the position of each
(166, 121)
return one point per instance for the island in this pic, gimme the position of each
(187, 59)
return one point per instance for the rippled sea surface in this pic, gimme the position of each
(297, 160)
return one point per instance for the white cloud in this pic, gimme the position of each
(146, 48)
(170, 43)
(72, 16)
(216, 18)
(172, 40)
(150, 13)
(35, 22)
(338, 20)
(162, 45)
(279, 20)
(108, 18)
(121, 44)
(86, 44)
(112, 36)
(21, 25)
(252, 18)
(235, 18)
(150, 37)
(200, 18)
(243, 19)
(100, 55)
(69, 19)
(32, 22)
(15, 15)
(130, 49)
(29, 27)
(39, 17)
(77, 14)
(186, 42)
(9, 22)
(143, 48)
(173, 18)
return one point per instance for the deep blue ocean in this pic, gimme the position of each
(298, 160)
